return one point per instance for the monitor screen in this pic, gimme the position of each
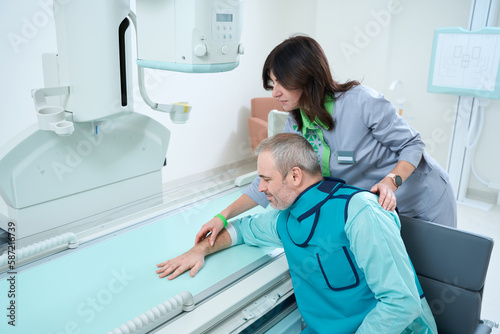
(466, 62)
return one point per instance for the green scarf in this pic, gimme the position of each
(313, 132)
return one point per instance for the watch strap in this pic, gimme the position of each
(393, 177)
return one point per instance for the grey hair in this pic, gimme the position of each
(290, 150)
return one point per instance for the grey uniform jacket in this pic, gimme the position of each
(368, 128)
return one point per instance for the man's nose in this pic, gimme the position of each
(261, 188)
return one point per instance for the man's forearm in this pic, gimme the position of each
(223, 241)
(194, 259)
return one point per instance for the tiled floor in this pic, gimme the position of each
(486, 223)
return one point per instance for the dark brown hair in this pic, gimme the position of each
(300, 63)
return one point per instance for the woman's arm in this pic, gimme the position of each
(386, 187)
(395, 134)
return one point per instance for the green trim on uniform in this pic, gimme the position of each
(313, 132)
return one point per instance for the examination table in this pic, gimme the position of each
(106, 283)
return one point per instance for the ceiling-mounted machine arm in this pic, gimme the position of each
(179, 112)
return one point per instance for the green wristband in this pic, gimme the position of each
(221, 217)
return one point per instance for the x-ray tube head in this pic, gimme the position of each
(196, 36)
(89, 44)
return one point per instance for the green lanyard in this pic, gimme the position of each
(313, 132)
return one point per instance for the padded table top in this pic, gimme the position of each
(100, 286)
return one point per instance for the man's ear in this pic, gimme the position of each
(297, 175)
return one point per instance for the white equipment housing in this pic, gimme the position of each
(90, 151)
(89, 46)
(189, 35)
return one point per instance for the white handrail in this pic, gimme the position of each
(183, 301)
(67, 238)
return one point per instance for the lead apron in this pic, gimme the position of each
(330, 289)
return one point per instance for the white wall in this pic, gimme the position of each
(487, 157)
(20, 63)
(361, 44)
(390, 40)
(353, 55)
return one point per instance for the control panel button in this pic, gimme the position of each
(200, 50)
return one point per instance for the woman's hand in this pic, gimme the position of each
(214, 226)
(386, 187)
(385, 190)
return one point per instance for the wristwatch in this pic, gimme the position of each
(398, 181)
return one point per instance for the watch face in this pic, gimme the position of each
(398, 180)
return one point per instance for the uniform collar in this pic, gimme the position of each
(308, 124)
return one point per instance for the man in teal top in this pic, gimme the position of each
(348, 263)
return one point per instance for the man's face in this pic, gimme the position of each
(278, 190)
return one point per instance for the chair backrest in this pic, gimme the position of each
(258, 126)
(451, 265)
(260, 106)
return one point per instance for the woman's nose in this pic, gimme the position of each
(276, 92)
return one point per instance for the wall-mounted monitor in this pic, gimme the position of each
(466, 63)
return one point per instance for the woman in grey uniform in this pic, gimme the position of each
(357, 135)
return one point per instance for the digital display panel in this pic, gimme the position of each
(224, 17)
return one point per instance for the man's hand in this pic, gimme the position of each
(386, 198)
(193, 259)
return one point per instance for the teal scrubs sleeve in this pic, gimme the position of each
(379, 251)
(257, 230)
